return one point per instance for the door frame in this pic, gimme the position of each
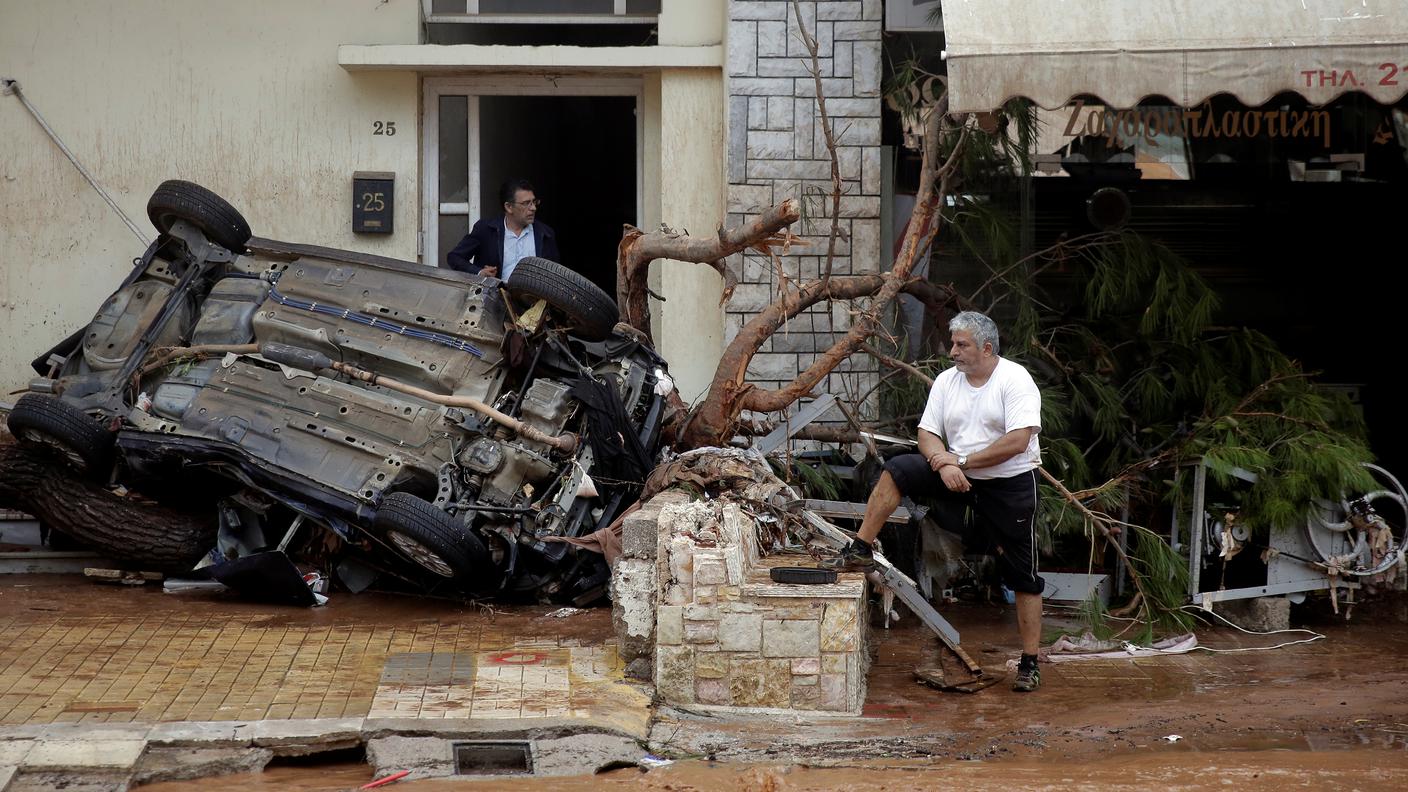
(476, 86)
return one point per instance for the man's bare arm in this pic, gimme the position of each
(1001, 450)
(932, 446)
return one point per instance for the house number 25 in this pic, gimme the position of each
(387, 128)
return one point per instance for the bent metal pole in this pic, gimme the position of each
(566, 443)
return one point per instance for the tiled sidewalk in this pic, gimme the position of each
(173, 663)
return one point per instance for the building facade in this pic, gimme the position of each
(684, 112)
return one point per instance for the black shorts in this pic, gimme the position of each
(996, 514)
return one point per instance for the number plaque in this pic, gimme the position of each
(373, 206)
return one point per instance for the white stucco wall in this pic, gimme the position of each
(249, 99)
(690, 322)
(689, 326)
(245, 98)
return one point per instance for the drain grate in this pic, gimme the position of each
(493, 757)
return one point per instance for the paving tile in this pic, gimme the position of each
(172, 666)
(13, 752)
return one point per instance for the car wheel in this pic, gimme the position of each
(52, 423)
(217, 219)
(591, 311)
(435, 541)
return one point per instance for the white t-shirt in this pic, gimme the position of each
(970, 419)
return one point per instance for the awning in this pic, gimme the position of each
(1186, 50)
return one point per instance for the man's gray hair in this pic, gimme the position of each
(983, 329)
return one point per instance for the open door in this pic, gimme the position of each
(578, 144)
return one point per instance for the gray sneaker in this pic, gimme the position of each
(1028, 678)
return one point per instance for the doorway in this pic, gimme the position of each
(578, 143)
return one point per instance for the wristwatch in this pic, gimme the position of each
(962, 461)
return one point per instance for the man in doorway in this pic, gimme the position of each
(977, 451)
(494, 246)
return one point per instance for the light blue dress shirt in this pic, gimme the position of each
(516, 246)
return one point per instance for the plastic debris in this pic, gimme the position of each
(175, 585)
(587, 489)
(651, 760)
(383, 781)
(316, 582)
(663, 383)
(1173, 738)
(562, 613)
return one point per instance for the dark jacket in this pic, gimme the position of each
(483, 246)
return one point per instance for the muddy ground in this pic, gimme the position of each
(1330, 712)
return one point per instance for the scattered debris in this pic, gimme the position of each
(1088, 647)
(121, 576)
(177, 585)
(562, 613)
(383, 781)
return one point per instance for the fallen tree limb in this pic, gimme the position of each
(730, 393)
(126, 528)
(638, 249)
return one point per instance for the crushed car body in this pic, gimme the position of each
(444, 427)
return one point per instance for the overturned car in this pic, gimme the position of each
(443, 429)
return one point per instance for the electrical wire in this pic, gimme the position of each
(10, 86)
(1315, 636)
(1131, 647)
(372, 321)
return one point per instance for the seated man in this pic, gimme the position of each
(978, 452)
(494, 246)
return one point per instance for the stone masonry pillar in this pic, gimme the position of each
(777, 150)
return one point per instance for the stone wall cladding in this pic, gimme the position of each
(635, 590)
(726, 636)
(777, 150)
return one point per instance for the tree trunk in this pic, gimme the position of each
(135, 531)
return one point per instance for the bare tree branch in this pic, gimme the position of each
(638, 249)
(814, 67)
(897, 364)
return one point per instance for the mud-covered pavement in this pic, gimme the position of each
(1347, 691)
(80, 653)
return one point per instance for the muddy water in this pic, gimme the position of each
(1156, 769)
(319, 778)
(1254, 771)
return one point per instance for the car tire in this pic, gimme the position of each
(50, 422)
(591, 311)
(435, 541)
(214, 216)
